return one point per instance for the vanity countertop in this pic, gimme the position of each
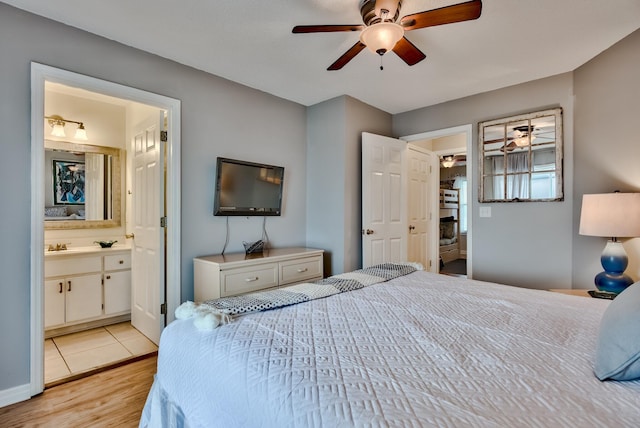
(94, 249)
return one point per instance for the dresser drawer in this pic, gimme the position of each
(117, 261)
(244, 280)
(300, 270)
(72, 266)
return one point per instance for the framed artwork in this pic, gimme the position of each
(68, 182)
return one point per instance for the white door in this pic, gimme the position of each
(147, 261)
(419, 175)
(384, 218)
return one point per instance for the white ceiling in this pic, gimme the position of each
(250, 42)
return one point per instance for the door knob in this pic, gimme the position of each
(411, 227)
(369, 232)
(129, 236)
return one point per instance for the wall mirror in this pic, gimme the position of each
(83, 186)
(521, 158)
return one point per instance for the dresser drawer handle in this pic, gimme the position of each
(121, 262)
(302, 270)
(60, 288)
(255, 278)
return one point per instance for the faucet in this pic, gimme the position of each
(58, 247)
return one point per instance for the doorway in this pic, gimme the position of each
(449, 145)
(39, 75)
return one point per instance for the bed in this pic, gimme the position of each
(449, 226)
(420, 349)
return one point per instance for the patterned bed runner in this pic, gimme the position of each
(212, 313)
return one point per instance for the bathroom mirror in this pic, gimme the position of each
(83, 186)
(521, 158)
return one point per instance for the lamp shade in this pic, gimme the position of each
(81, 133)
(58, 130)
(613, 215)
(381, 37)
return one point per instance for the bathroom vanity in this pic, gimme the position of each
(86, 287)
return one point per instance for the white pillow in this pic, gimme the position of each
(618, 349)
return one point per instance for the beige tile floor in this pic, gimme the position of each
(84, 351)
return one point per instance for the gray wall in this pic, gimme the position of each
(334, 132)
(607, 145)
(526, 244)
(219, 118)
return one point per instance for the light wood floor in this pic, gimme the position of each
(112, 398)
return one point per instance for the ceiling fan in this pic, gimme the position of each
(381, 33)
(521, 136)
(449, 161)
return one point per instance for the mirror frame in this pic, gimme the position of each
(557, 114)
(116, 186)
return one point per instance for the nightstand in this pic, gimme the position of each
(573, 292)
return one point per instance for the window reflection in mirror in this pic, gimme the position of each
(83, 186)
(521, 157)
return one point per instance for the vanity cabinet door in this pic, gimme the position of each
(53, 302)
(117, 292)
(84, 297)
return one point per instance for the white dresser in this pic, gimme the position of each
(86, 288)
(232, 274)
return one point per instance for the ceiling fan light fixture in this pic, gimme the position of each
(448, 161)
(382, 37)
(524, 141)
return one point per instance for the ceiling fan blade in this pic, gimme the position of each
(408, 52)
(444, 15)
(509, 147)
(301, 29)
(347, 56)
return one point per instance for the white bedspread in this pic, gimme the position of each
(419, 350)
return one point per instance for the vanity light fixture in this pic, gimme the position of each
(57, 124)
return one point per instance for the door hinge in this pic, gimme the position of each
(163, 308)
(429, 263)
(430, 169)
(163, 136)
(163, 221)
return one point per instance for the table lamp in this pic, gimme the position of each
(613, 215)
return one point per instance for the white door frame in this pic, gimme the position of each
(39, 74)
(468, 131)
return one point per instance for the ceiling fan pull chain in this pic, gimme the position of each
(381, 67)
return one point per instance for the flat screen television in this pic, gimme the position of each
(247, 188)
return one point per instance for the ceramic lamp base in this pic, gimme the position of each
(614, 261)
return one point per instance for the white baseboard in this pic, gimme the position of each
(15, 395)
